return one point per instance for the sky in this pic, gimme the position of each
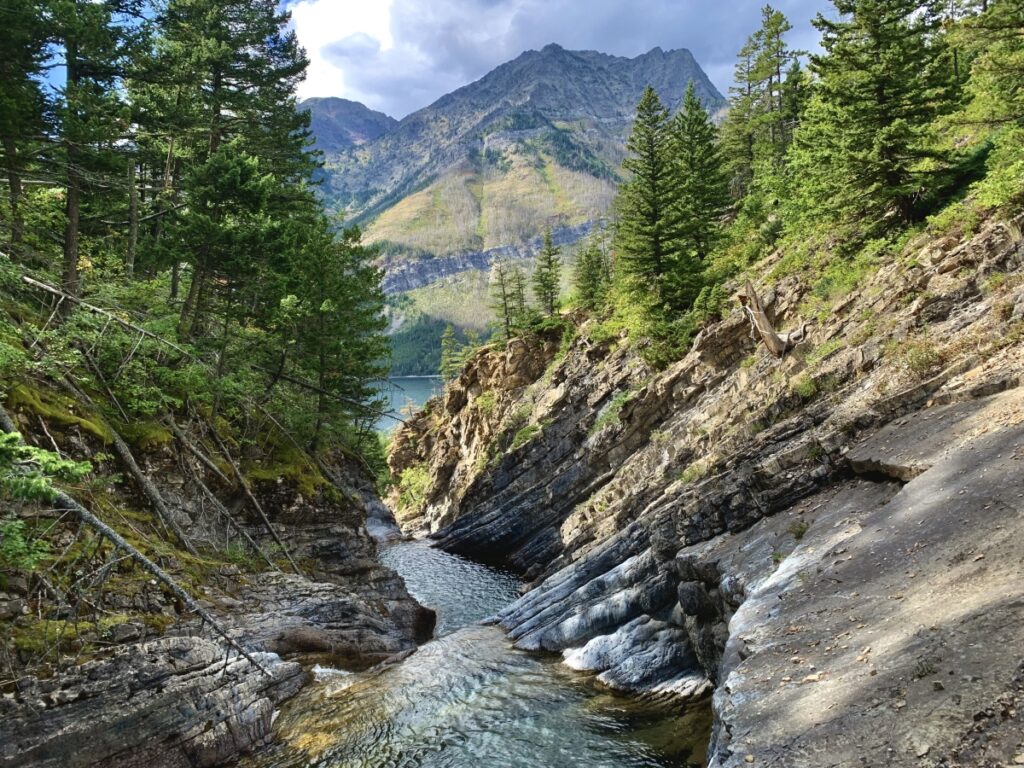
(398, 56)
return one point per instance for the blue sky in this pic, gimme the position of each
(400, 55)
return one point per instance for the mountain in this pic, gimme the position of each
(340, 124)
(536, 143)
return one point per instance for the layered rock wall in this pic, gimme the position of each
(668, 521)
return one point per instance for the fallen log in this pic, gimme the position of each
(66, 503)
(762, 327)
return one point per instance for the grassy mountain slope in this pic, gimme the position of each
(535, 143)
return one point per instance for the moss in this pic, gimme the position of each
(146, 435)
(292, 465)
(57, 409)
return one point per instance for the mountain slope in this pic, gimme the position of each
(535, 143)
(340, 124)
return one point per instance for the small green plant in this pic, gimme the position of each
(611, 412)
(486, 402)
(804, 387)
(19, 551)
(524, 435)
(748, 361)
(821, 352)
(693, 472)
(798, 528)
(994, 282)
(777, 557)
(917, 356)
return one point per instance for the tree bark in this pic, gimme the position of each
(14, 189)
(133, 220)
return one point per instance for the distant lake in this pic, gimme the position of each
(407, 393)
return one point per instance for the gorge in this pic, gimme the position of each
(722, 466)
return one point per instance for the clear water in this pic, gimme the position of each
(405, 396)
(469, 700)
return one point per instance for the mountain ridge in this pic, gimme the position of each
(536, 142)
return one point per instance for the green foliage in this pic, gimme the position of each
(863, 151)
(524, 435)
(805, 387)
(919, 357)
(592, 276)
(547, 276)
(412, 488)
(797, 529)
(27, 473)
(18, 551)
(611, 412)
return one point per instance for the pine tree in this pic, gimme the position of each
(501, 296)
(881, 81)
(451, 354)
(23, 37)
(702, 188)
(547, 278)
(591, 276)
(342, 344)
(763, 106)
(647, 231)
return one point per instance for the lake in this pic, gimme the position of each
(407, 394)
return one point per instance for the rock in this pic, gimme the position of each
(124, 633)
(176, 702)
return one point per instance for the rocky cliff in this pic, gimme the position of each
(825, 540)
(101, 664)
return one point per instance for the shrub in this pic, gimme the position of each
(18, 550)
(412, 487)
(798, 528)
(611, 412)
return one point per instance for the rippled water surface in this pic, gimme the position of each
(470, 700)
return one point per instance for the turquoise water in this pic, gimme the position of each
(406, 394)
(468, 699)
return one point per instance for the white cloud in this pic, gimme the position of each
(321, 23)
(400, 55)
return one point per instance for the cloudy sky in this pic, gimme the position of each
(400, 55)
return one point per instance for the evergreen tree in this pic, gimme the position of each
(518, 305)
(342, 344)
(23, 37)
(451, 354)
(881, 81)
(591, 276)
(501, 296)
(764, 105)
(547, 276)
(648, 225)
(701, 186)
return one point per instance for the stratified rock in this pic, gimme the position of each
(176, 702)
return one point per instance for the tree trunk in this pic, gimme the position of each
(133, 220)
(191, 304)
(73, 195)
(14, 189)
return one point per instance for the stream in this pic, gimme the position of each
(468, 699)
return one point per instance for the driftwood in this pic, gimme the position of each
(762, 328)
(254, 501)
(64, 502)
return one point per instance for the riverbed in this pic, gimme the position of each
(468, 699)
